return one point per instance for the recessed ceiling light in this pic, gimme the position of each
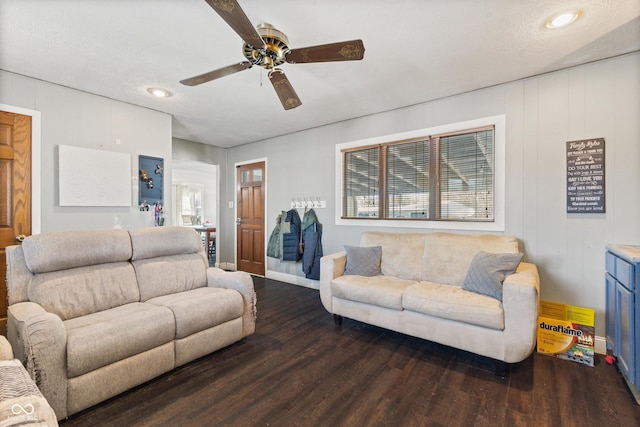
(563, 19)
(159, 92)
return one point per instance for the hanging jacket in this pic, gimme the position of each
(274, 247)
(291, 239)
(312, 238)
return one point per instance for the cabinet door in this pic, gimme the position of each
(610, 283)
(625, 331)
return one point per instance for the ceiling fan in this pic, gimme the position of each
(268, 48)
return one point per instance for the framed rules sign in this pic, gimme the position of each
(585, 176)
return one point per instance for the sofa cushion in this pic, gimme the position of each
(454, 303)
(102, 338)
(201, 308)
(363, 261)
(170, 274)
(401, 252)
(447, 256)
(383, 291)
(487, 272)
(152, 242)
(84, 290)
(62, 250)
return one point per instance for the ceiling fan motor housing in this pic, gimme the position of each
(276, 47)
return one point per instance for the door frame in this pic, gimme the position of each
(36, 163)
(265, 186)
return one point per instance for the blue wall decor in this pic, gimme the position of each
(150, 181)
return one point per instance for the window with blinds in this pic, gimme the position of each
(407, 180)
(446, 177)
(466, 176)
(361, 183)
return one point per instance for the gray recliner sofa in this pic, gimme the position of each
(93, 313)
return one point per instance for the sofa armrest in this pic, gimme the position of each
(39, 341)
(520, 299)
(6, 352)
(331, 266)
(243, 283)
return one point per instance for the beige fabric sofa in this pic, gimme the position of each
(94, 313)
(419, 292)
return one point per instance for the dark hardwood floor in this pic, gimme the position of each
(298, 369)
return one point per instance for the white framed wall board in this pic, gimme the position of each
(89, 177)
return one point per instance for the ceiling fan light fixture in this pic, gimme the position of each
(159, 92)
(267, 62)
(276, 47)
(563, 19)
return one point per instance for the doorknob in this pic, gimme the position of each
(238, 221)
(20, 237)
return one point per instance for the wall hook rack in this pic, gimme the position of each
(308, 203)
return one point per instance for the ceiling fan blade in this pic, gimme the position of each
(216, 74)
(351, 50)
(287, 95)
(232, 13)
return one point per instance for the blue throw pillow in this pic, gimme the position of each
(488, 271)
(363, 261)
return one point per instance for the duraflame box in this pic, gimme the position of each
(566, 332)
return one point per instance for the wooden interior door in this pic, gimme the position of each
(250, 220)
(15, 191)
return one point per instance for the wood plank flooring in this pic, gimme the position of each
(298, 369)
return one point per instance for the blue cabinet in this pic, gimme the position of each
(623, 308)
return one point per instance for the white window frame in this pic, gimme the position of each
(498, 122)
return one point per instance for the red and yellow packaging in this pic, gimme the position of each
(566, 332)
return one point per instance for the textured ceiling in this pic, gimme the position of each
(416, 51)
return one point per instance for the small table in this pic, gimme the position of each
(207, 229)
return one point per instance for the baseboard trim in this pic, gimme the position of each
(293, 279)
(226, 266)
(600, 345)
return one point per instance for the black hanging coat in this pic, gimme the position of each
(312, 238)
(291, 240)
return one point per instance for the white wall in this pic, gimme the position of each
(542, 113)
(76, 118)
